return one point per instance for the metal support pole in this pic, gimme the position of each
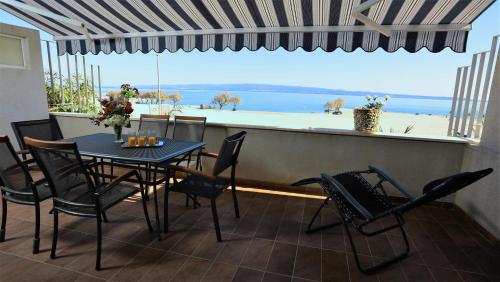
(92, 83)
(158, 81)
(71, 100)
(470, 83)
(86, 97)
(479, 79)
(53, 93)
(61, 86)
(99, 80)
(454, 102)
(463, 82)
(78, 84)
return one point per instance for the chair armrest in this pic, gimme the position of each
(190, 171)
(384, 176)
(209, 154)
(23, 152)
(120, 179)
(123, 177)
(28, 161)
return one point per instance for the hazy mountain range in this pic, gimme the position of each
(280, 89)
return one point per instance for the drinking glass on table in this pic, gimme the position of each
(132, 138)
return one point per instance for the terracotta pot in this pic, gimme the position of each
(366, 120)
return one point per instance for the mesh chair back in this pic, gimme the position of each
(229, 151)
(154, 125)
(43, 129)
(354, 195)
(443, 187)
(64, 170)
(13, 173)
(189, 128)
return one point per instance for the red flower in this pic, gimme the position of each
(103, 102)
(128, 108)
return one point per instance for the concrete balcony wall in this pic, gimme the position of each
(285, 156)
(22, 93)
(482, 199)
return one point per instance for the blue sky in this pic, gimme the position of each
(422, 73)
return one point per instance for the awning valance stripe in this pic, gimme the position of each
(328, 41)
(145, 25)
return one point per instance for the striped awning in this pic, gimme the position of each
(94, 26)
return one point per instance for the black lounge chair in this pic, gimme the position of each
(76, 189)
(360, 203)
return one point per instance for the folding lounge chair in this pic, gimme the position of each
(360, 203)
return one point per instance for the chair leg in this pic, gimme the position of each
(372, 269)
(216, 219)
(4, 220)
(321, 227)
(165, 210)
(36, 240)
(104, 217)
(99, 244)
(233, 191)
(54, 234)
(145, 208)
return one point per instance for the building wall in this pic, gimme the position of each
(482, 199)
(22, 93)
(285, 156)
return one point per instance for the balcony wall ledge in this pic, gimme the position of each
(331, 131)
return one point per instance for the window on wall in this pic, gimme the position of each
(13, 52)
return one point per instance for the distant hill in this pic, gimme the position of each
(281, 89)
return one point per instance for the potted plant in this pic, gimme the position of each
(116, 113)
(366, 119)
(131, 93)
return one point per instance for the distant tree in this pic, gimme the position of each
(235, 101)
(175, 97)
(335, 106)
(154, 95)
(329, 106)
(222, 99)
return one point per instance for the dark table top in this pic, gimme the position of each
(102, 145)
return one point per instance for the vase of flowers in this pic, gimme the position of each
(116, 113)
(367, 118)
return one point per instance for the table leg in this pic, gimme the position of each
(155, 195)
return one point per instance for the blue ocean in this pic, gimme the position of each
(295, 99)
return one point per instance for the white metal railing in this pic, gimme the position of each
(473, 88)
(71, 80)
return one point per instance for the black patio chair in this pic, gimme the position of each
(360, 203)
(189, 128)
(17, 186)
(43, 129)
(76, 188)
(209, 185)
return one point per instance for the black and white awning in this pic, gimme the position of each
(94, 26)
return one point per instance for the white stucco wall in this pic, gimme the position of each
(22, 93)
(482, 199)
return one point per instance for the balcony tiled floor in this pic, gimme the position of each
(266, 244)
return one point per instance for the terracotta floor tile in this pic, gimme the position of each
(282, 259)
(258, 253)
(248, 275)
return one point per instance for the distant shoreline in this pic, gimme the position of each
(285, 89)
